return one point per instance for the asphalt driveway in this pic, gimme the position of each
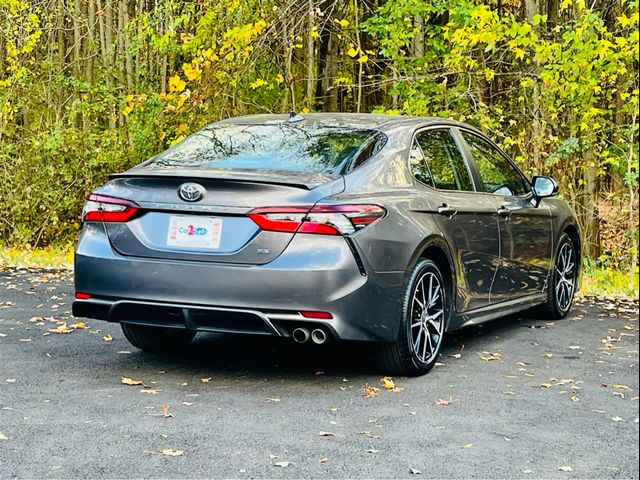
(519, 397)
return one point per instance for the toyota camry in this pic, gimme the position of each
(387, 229)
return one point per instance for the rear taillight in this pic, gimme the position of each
(321, 219)
(101, 208)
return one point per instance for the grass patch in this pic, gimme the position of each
(49, 257)
(609, 282)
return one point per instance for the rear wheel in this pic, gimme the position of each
(157, 339)
(424, 316)
(562, 281)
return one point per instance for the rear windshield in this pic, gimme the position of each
(289, 147)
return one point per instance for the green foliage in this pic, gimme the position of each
(78, 102)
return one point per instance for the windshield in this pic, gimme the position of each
(298, 148)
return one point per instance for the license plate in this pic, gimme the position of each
(194, 231)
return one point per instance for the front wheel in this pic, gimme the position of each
(562, 281)
(157, 339)
(422, 326)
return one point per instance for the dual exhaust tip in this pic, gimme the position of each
(302, 335)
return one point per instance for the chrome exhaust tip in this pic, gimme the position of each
(300, 335)
(318, 336)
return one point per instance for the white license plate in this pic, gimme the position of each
(194, 231)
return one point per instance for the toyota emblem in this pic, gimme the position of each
(191, 192)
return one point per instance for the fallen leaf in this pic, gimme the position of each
(61, 329)
(323, 460)
(282, 464)
(387, 382)
(187, 404)
(616, 419)
(3, 436)
(370, 392)
(565, 468)
(205, 379)
(575, 398)
(107, 337)
(467, 445)
(79, 326)
(273, 399)
(131, 381)
(168, 452)
(320, 372)
(489, 357)
(166, 412)
(327, 434)
(151, 391)
(619, 386)
(545, 385)
(414, 471)
(444, 402)
(372, 450)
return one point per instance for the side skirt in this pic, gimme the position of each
(491, 312)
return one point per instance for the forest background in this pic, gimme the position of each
(90, 87)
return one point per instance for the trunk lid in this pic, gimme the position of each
(228, 197)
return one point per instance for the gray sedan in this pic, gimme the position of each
(386, 229)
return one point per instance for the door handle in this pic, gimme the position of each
(446, 210)
(504, 211)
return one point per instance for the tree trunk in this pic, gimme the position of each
(418, 37)
(310, 60)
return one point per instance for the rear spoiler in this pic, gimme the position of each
(306, 181)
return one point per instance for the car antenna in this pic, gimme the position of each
(294, 117)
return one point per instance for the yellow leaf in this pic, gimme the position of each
(467, 445)
(343, 23)
(190, 71)
(176, 84)
(363, 59)
(314, 32)
(387, 382)
(131, 381)
(61, 329)
(279, 78)
(79, 326)
(258, 83)
(352, 52)
(619, 386)
(107, 337)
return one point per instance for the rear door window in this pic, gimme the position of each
(444, 161)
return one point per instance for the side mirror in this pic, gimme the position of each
(544, 187)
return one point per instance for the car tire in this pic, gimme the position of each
(420, 329)
(157, 339)
(562, 281)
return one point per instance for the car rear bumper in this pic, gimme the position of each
(265, 299)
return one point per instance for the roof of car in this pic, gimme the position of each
(368, 120)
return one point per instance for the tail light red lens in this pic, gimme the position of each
(321, 219)
(102, 208)
(315, 314)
